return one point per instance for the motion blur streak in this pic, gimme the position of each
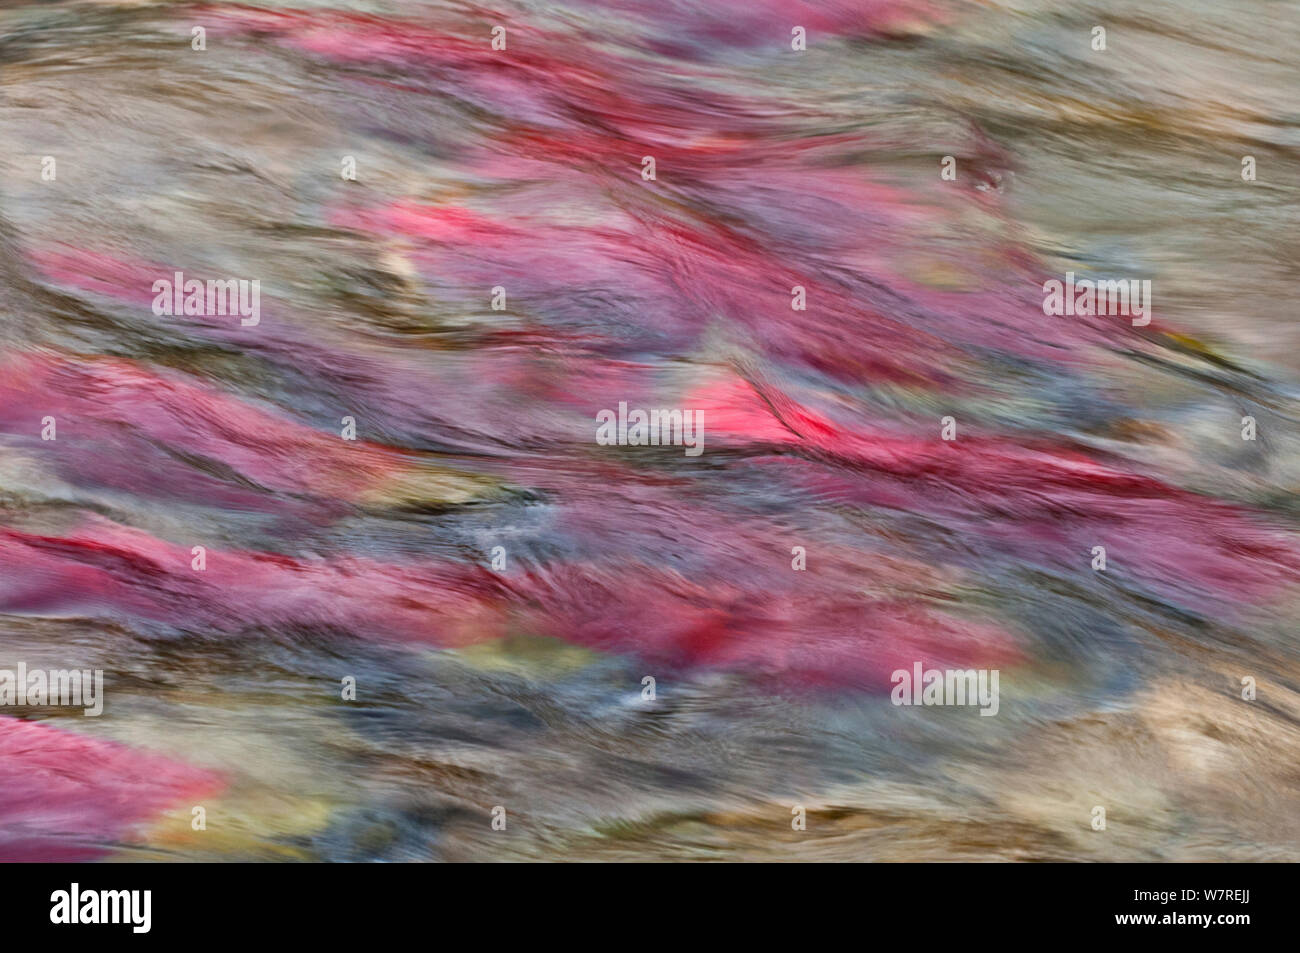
(464, 257)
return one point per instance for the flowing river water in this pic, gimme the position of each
(362, 580)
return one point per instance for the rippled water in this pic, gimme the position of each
(497, 582)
